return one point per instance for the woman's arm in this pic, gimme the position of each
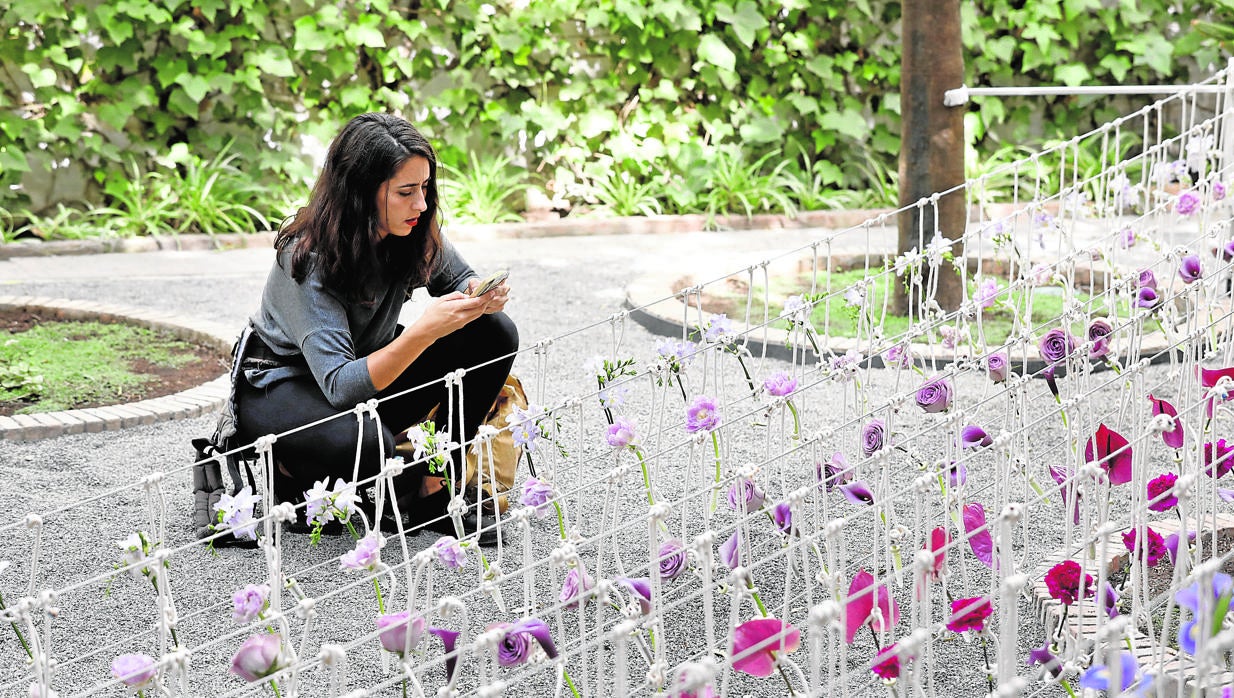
(441, 317)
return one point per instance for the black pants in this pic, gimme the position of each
(328, 450)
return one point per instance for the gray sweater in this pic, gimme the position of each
(318, 332)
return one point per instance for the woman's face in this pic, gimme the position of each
(400, 199)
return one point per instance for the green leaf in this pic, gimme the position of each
(195, 86)
(273, 61)
(1072, 74)
(595, 122)
(762, 129)
(744, 19)
(846, 122)
(309, 37)
(366, 32)
(713, 50)
(179, 101)
(12, 160)
(1117, 64)
(39, 77)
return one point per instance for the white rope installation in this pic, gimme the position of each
(1025, 496)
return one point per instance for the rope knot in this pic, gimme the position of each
(332, 655)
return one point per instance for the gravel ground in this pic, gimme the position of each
(558, 284)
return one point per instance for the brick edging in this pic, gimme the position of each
(194, 402)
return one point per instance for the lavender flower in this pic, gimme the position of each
(450, 553)
(249, 602)
(935, 395)
(782, 515)
(365, 556)
(620, 433)
(1226, 252)
(1187, 203)
(747, 491)
(1219, 191)
(996, 367)
(237, 513)
(396, 634)
(730, 551)
(516, 645)
(719, 327)
(1147, 279)
(1098, 333)
(796, 309)
(1126, 238)
(1056, 345)
(1098, 676)
(1146, 297)
(576, 582)
(898, 356)
(843, 366)
(1189, 269)
(1041, 275)
(639, 588)
(949, 336)
(857, 492)
(957, 474)
(137, 671)
(702, 415)
(835, 471)
(677, 352)
(973, 436)
(673, 558)
(1044, 657)
(538, 494)
(987, 293)
(136, 549)
(780, 384)
(873, 437)
(259, 656)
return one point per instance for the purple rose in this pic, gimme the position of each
(873, 437)
(620, 433)
(136, 671)
(986, 293)
(1098, 333)
(1187, 203)
(249, 602)
(396, 634)
(259, 656)
(996, 367)
(935, 395)
(515, 647)
(833, 472)
(673, 559)
(702, 415)
(1189, 269)
(1056, 345)
(973, 436)
(780, 384)
(1146, 297)
(1147, 279)
(747, 491)
(782, 515)
(577, 581)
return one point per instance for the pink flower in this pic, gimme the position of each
(620, 433)
(730, 551)
(1174, 438)
(969, 614)
(1110, 451)
(259, 656)
(973, 436)
(1153, 548)
(1161, 492)
(249, 602)
(987, 293)
(1061, 475)
(396, 634)
(756, 643)
(1147, 279)
(576, 582)
(1218, 458)
(136, 671)
(887, 663)
(780, 384)
(702, 415)
(867, 605)
(979, 538)
(938, 546)
(1187, 203)
(1063, 582)
(366, 554)
(996, 367)
(1219, 191)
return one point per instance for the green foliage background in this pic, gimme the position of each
(566, 88)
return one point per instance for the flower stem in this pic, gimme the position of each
(986, 654)
(682, 388)
(1067, 685)
(561, 521)
(813, 343)
(746, 371)
(796, 420)
(758, 601)
(274, 686)
(381, 605)
(20, 638)
(404, 688)
(878, 647)
(784, 675)
(566, 675)
(715, 442)
(352, 530)
(642, 463)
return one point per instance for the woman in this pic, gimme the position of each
(326, 335)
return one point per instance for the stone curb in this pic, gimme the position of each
(1084, 619)
(194, 402)
(627, 225)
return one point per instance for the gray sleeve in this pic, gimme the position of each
(316, 321)
(452, 271)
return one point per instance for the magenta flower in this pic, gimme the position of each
(1111, 451)
(957, 474)
(1061, 475)
(1219, 191)
(935, 395)
(1098, 333)
(973, 436)
(1161, 492)
(780, 384)
(1173, 438)
(1146, 297)
(396, 634)
(1218, 458)
(937, 545)
(730, 551)
(450, 553)
(886, 664)
(757, 642)
(1063, 582)
(1189, 269)
(259, 656)
(747, 491)
(833, 472)
(1187, 203)
(782, 516)
(969, 614)
(979, 538)
(1045, 658)
(867, 605)
(1056, 345)
(576, 582)
(249, 602)
(620, 433)
(1147, 279)
(857, 492)
(873, 437)
(702, 415)
(673, 559)
(137, 671)
(537, 494)
(639, 588)
(1209, 379)
(516, 645)
(996, 367)
(1109, 599)
(1226, 251)
(1152, 549)
(365, 556)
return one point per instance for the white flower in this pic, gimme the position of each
(938, 246)
(418, 438)
(318, 508)
(134, 548)
(855, 295)
(344, 499)
(237, 513)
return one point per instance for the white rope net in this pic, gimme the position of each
(896, 505)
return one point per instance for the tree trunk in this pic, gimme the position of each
(932, 135)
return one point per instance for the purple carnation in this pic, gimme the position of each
(1189, 269)
(1098, 333)
(873, 437)
(450, 553)
(1219, 191)
(702, 415)
(780, 384)
(1146, 297)
(747, 491)
(1056, 345)
(673, 559)
(935, 395)
(538, 494)
(996, 367)
(1187, 203)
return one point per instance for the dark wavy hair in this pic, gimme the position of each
(338, 228)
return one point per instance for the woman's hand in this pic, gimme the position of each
(448, 313)
(495, 300)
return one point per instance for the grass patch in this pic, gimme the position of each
(65, 365)
(996, 321)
